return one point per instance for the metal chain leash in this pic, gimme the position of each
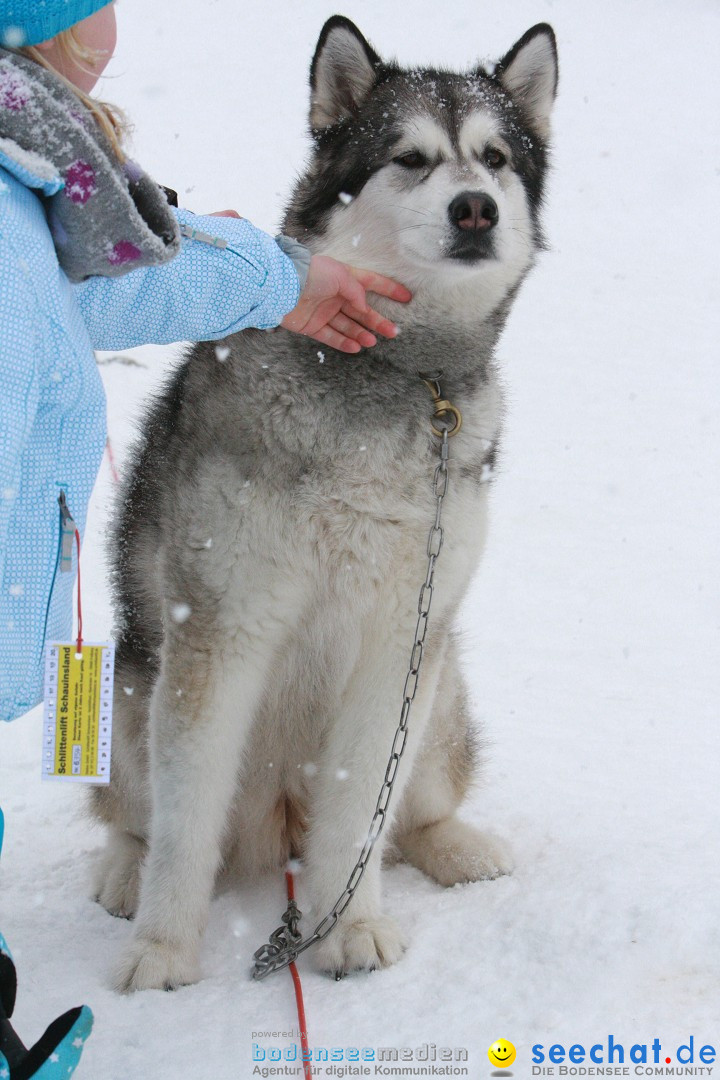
(286, 943)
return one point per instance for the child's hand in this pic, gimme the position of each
(333, 308)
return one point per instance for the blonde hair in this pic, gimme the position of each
(109, 118)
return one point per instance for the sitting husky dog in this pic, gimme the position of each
(272, 540)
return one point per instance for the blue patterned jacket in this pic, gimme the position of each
(52, 406)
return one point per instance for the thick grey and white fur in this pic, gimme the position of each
(271, 542)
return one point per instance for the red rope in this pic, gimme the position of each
(307, 1072)
(111, 460)
(78, 650)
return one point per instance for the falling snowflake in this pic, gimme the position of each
(345, 198)
(13, 38)
(222, 352)
(180, 613)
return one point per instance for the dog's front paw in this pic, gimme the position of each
(156, 965)
(362, 945)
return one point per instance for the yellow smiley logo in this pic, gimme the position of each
(501, 1053)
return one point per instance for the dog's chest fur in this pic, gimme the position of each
(325, 463)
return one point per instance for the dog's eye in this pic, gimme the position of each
(493, 158)
(413, 160)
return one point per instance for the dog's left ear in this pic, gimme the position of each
(529, 72)
(343, 73)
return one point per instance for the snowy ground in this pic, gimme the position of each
(592, 629)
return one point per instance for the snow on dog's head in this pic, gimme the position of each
(423, 172)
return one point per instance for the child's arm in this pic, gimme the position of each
(206, 292)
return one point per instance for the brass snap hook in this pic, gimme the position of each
(443, 408)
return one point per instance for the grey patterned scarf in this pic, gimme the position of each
(105, 217)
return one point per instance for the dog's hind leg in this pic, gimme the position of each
(117, 881)
(428, 833)
(124, 804)
(201, 712)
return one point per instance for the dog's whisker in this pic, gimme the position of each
(420, 225)
(413, 210)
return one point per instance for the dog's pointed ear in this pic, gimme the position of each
(529, 72)
(343, 72)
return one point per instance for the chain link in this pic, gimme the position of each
(286, 943)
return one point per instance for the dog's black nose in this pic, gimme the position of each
(473, 210)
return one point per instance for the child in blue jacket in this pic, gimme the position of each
(92, 256)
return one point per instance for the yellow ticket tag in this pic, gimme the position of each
(77, 726)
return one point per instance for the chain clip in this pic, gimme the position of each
(443, 408)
